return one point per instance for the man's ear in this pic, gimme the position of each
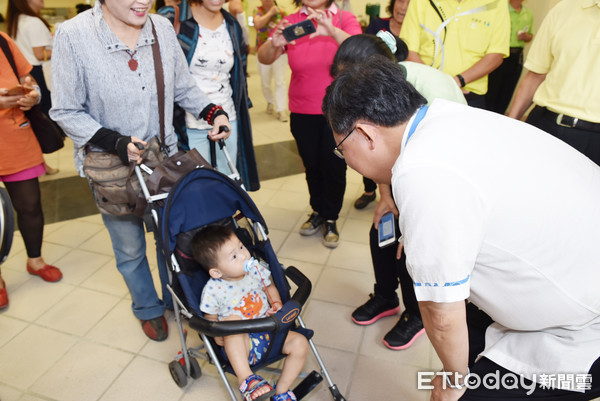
(215, 273)
(369, 133)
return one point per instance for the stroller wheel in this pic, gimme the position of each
(195, 371)
(178, 373)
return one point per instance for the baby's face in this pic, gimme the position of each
(231, 259)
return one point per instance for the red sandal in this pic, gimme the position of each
(3, 295)
(47, 273)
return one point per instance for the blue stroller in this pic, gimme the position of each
(205, 196)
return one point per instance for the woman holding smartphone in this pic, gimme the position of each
(21, 161)
(310, 58)
(31, 32)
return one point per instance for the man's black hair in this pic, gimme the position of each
(373, 91)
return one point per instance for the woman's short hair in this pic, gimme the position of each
(358, 48)
(390, 7)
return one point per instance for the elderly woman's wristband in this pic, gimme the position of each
(212, 111)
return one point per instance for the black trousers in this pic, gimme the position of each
(503, 81)
(587, 142)
(478, 322)
(370, 185)
(389, 271)
(325, 172)
(475, 100)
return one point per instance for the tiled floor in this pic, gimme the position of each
(77, 340)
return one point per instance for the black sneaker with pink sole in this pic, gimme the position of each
(374, 309)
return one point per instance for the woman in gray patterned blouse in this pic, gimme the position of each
(105, 99)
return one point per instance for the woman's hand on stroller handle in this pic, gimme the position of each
(221, 128)
(135, 149)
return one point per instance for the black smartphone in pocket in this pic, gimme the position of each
(299, 30)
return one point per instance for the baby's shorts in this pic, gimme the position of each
(259, 344)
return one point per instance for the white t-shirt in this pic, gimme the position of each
(245, 298)
(499, 212)
(432, 83)
(211, 65)
(32, 33)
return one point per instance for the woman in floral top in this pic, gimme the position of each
(266, 18)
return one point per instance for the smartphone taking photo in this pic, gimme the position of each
(16, 90)
(299, 30)
(386, 230)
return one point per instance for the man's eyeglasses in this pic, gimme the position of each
(337, 151)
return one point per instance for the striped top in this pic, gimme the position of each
(94, 86)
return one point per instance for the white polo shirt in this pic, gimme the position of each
(498, 212)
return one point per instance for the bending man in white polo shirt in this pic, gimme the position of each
(486, 218)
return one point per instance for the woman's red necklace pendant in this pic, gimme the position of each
(133, 64)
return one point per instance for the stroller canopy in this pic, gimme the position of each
(201, 197)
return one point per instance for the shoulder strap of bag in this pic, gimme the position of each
(6, 49)
(160, 84)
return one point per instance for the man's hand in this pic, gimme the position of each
(386, 204)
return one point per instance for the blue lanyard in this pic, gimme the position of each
(420, 114)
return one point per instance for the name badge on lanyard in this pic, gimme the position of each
(439, 43)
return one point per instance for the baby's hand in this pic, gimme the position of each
(220, 342)
(274, 308)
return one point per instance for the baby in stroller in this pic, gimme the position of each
(240, 288)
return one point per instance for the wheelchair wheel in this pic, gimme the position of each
(178, 373)
(195, 371)
(7, 224)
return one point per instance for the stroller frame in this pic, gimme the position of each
(185, 365)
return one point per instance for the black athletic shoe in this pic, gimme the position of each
(312, 225)
(331, 237)
(405, 332)
(374, 309)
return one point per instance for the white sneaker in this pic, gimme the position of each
(270, 108)
(282, 116)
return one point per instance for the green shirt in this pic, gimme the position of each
(519, 21)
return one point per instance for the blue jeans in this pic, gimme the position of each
(129, 244)
(199, 139)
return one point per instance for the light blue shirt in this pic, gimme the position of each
(93, 86)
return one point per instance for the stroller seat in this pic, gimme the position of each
(192, 278)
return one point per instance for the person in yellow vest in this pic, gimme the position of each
(466, 39)
(562, 78)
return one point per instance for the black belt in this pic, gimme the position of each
(571, 122)
(515, 50)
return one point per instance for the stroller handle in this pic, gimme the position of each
(279, 320)
(303, 283)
